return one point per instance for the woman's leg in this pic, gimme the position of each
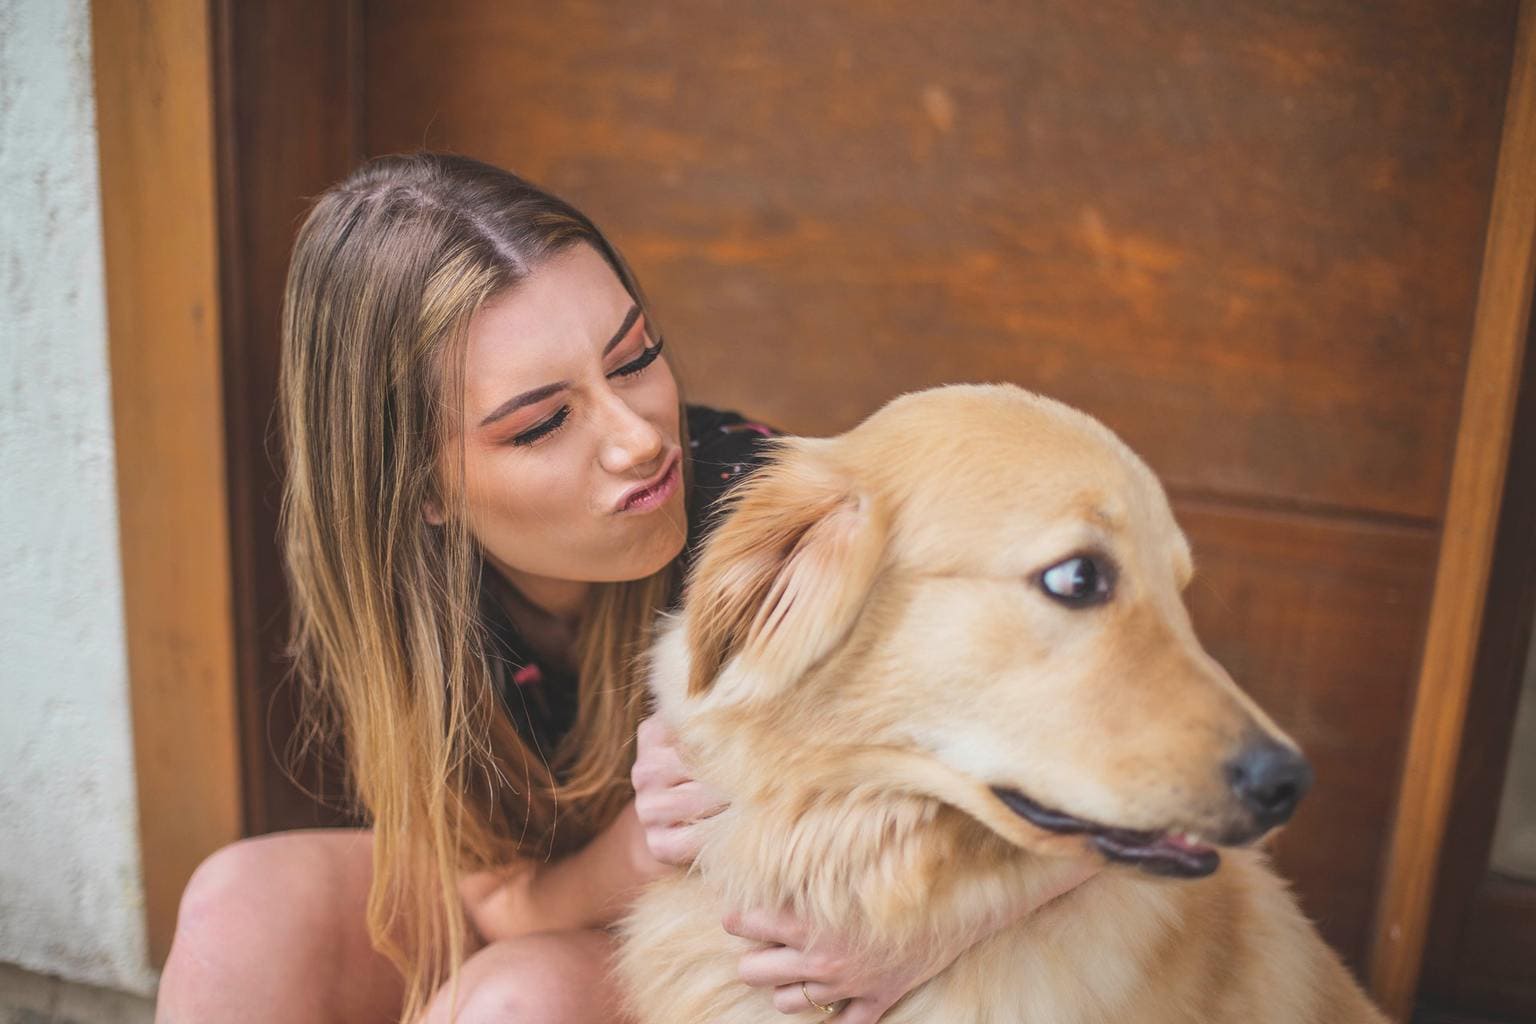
(544, 978)
(273, 929)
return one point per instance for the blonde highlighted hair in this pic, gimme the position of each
(388, 631)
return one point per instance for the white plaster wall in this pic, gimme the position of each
(70, 881)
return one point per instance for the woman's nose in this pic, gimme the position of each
(630, 441)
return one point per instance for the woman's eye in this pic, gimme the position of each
(646, 357)
(1078, 582)
(544, 429)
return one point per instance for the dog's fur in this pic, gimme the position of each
(865, 651)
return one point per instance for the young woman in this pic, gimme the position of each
(492, 487)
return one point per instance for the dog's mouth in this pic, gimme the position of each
(1173, 854)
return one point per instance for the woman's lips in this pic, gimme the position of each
(654, 492)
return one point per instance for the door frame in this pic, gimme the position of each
(1468, 538)
(155, 124)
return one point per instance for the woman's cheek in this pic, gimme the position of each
(661, 401)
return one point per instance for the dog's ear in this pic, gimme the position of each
(783, 577)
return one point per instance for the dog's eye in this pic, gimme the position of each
(1078, 582)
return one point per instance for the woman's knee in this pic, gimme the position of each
(548, 978)
(284, 910)
(278, 882)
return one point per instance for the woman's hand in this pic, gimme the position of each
(668, 800)
(496, 902)
(806, 975)
(803, 974)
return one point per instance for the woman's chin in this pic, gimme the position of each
(667, 545)
(641, 554)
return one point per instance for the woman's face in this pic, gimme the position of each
(573, 467)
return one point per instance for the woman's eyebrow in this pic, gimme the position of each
(515, 403)
(629, 321)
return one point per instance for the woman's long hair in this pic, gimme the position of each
(388, 633)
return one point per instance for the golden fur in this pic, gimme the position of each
(865, 651)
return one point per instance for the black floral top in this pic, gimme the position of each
(541, 697)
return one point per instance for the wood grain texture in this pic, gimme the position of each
(1317, 619)
(1244, 234)
(1462, 574)
(155, 124)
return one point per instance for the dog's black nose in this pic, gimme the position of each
(1270, 780)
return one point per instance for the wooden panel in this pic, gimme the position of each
(1245, 234)
(155, 124)
(1319, 619)
(1466, 552)
(287, 124)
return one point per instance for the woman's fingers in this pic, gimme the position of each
(668, 801)
(792, 999)
(658, 764)
(676, 808)
(653, 731)
(680, 805)
(697, 801)
(859, 1011)
(853, 1011)
(774, 927)
(794, 968)
(774, 966)
(677, 846)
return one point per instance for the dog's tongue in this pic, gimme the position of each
(1185, 843)
(1171, 854)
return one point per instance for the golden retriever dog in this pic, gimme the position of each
(927, 661)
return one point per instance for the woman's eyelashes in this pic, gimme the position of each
(646, 357)
(554, 422)
(544, 429)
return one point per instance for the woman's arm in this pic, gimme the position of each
(594, 886)
(590, 888)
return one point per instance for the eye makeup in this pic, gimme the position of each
(554, 422)
(544, 429)
(646, 357)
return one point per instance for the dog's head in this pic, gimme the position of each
(975, 595)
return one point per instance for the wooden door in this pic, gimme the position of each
(1245, 235)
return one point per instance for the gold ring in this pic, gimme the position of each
(828, 1010)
